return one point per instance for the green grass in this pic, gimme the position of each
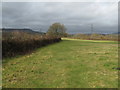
(67, 64)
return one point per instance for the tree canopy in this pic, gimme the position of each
(57, 29)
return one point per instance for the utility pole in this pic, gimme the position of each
(91, 28)
(91, 31)
(40, 29)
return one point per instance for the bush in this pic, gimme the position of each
(18, 43)
(94, 36)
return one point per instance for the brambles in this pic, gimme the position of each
(17, 43)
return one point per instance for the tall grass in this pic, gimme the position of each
(17, 43)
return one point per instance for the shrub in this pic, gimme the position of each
(94, 36)
(18, 43)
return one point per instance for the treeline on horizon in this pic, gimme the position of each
(95, 36)
(19, 42)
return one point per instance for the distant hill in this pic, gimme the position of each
(21, 30)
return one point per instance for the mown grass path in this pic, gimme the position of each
(67, 64)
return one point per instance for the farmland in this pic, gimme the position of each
(71, 63)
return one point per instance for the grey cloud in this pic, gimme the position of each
(77, 17)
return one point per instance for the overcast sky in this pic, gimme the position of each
(77, 17)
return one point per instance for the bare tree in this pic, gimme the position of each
(57, 29)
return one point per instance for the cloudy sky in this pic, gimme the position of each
(77, 16)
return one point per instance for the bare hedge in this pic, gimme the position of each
(18, 43)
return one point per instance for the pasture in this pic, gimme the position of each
(71, 63)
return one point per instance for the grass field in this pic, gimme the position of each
(67, 64)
